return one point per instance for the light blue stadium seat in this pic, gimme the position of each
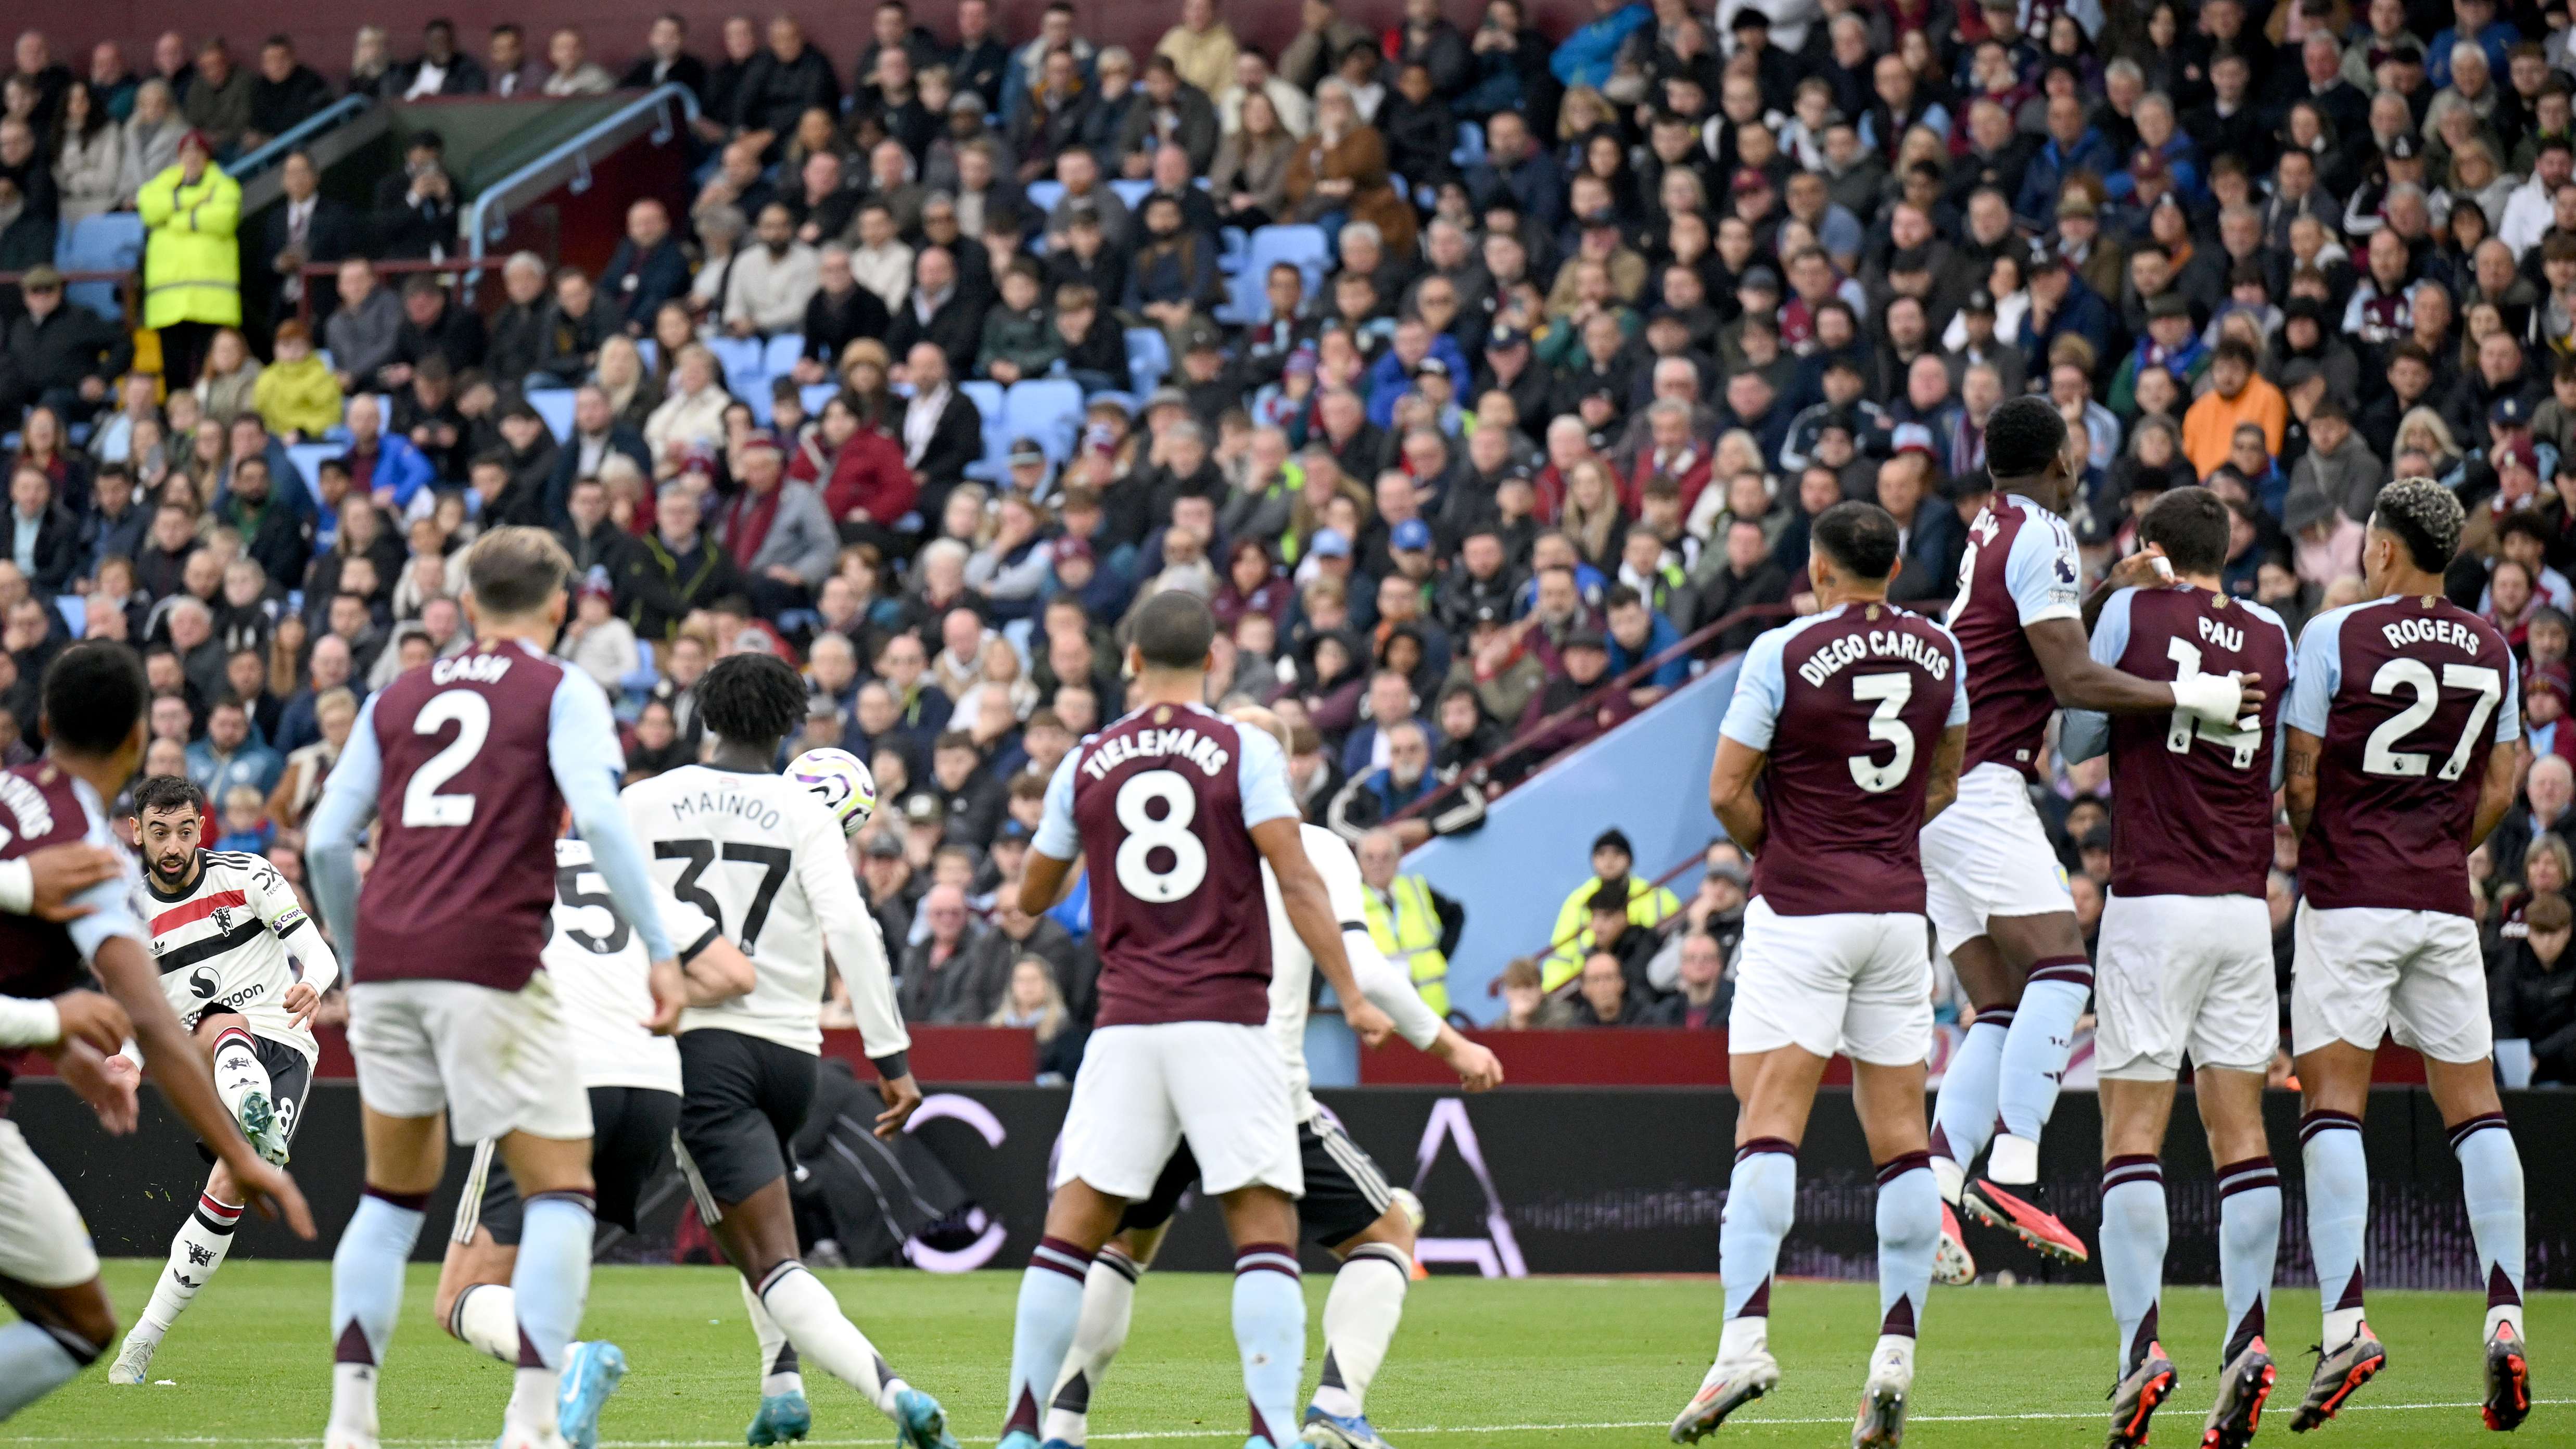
(554, 404)
(1306, 247)
(990, 405)
(1132, 192)
(1149, 357)
(780, 356)
(741, 359)
(1236, 244)
(1048, 409)
(1043, 195)
(109, 242)
(309, 458)
(649, 350)
(75, 612)
(1470, 150)
(817, 394)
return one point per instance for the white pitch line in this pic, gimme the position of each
(1200, 1432)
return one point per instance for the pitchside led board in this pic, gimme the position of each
(1515, 1182)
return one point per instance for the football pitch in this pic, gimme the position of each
(1571, 1363)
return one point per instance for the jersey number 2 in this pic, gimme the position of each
(1189, 856)
(472, 715)
(1892, 691)
(2380, 755)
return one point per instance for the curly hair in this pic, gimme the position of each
(2426, 516)
(752, 699)
(2022, 435)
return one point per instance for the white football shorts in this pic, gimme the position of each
(2184, 974)
(1987, 856)
(2417, 975)
(1856, 984)
(1145, 1089)
(496, 1062)
(43, 1242)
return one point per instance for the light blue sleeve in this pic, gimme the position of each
(2509, 712)
(2316, 674)
(1958, 674)
(1056, 838)
(1261, 778)
(2290, 658)
(2111, 631)
(331, 842)
(2042, 572)
(110, 902)
(2083, 734)
(1760, 687)
(581, 749)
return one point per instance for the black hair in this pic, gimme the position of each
(2425, 516)
(1174, 630)
(1861, 537)
(94, 693)
(168, 793)
(752, 699)
(2022, 435)
(2192, 526)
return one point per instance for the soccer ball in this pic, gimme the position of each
(840, 780)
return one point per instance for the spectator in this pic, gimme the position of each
(776, 532)
(770, 283)
(1705, 992)
(190, 210)
(1604, 998)
(574, 73)
(227, 756)
(2533, 991)
(939, 979)
(1035, 1004)
(152, 135)
(64, 357)
(1648, 905)
(217, 102)
(678, 569)
(285, 93)
(1416, 927)
(595, 639)
(297, 396)
(88, 154)
(2548, 792)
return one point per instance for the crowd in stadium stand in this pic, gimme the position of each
(1483, 379)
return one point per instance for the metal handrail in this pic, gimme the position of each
(487, 219)
(348, 107)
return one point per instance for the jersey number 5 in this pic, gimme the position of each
(1892, 691)
(471, 713)
(1136, 873)
(2380, 755)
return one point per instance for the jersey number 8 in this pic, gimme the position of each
(1144, 833)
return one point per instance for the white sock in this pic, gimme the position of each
(814, 1323)
(237, 1069)
(780, 1372)
(1108, 1305)
(196, 1251)
(1360, 1318)
(485, 1318)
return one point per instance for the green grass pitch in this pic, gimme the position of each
(1564, 1363)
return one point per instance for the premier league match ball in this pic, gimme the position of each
(840, 780)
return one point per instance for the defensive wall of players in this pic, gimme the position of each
(1515, 1182)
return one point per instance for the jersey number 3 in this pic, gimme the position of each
(1145, 834)
(1892, 691)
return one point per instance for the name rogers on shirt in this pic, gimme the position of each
(2403, 632)
(1846, 649)
(1189, 744)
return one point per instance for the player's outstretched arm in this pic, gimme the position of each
(1943, 787)
(43, 883)
(1310, 912)
(1731, 796)
(180, 1068)
(2081, 682)
(2495, 792)
(2299, 752)
(331, 841)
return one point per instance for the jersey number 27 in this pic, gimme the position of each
(2380, 755)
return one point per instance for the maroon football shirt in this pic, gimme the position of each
(2194, 801)
(2020, 569)
(39, 807)
(1158, 803)
(464, 878)
(1850, 704)
(2410, 695)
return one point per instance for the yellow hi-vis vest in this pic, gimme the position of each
(1411, 939)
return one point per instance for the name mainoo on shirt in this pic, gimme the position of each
(728, 802)
(1187, 743)
(1875, 644)
(2403, 632)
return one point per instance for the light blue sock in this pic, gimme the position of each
(1270, 1332)
(35, 1361)
(2035, 1050)
(1909, 1228)
(2249, 1242)
(366, 1300)
(2338, 1217)
(1050, 1305)
(2491, 1183)
(1761, 1204)
(548, 1287)
(2133, 1251)
(1963, 1113)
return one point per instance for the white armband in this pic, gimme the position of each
(17, 886)
(2217, 698)
(29, 1022)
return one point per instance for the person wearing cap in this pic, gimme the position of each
(1613, 870)
(65, 357)
(2061, 305)
(2100, 261)
(191, 261)
(2169, 342)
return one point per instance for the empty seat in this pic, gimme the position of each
(309, 458)
(817, 394)
(554, 404)
(1305, 247)
(1149, 357)
(109, 242)
(740, 357)
(987, 397)
(1043, 195)
(779, 358)
(1048, 409)
(1132, 192)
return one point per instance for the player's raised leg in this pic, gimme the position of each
(196, 1251)
(2056, 982)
